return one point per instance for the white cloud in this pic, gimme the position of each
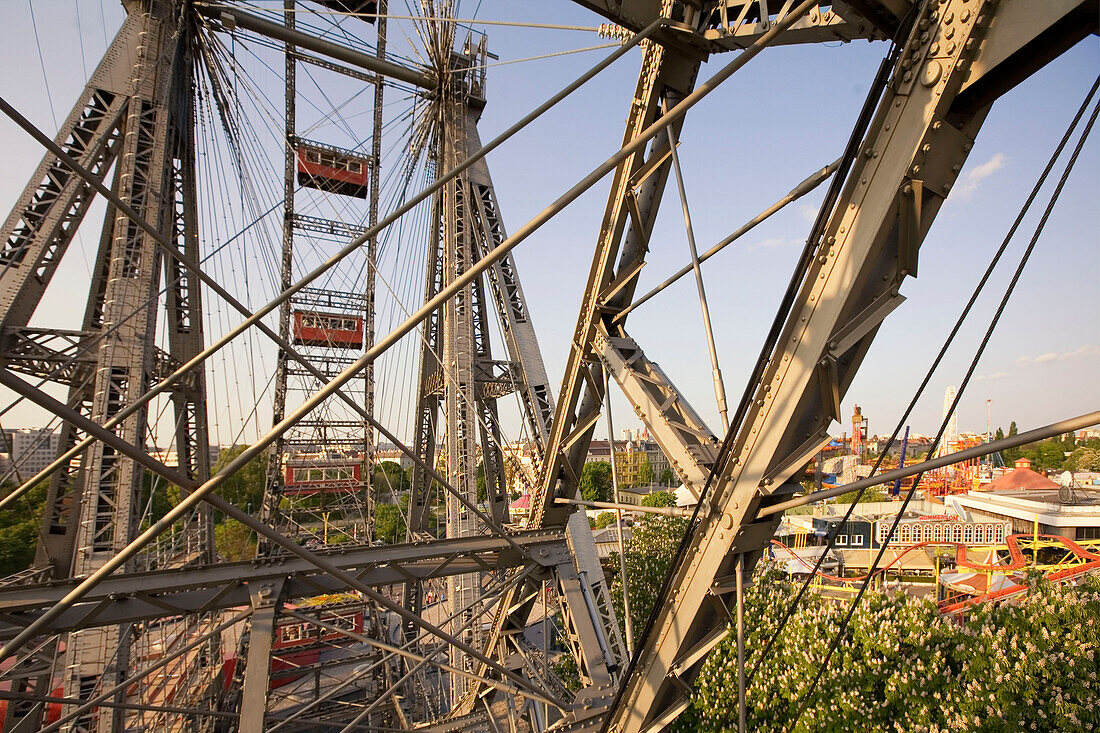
(998, 375)
(979, 173)
(808, 212)
(1085, 350)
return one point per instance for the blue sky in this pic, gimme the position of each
(785, 115)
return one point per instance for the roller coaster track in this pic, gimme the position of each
(1079, 558)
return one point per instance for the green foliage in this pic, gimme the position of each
(659, 498)
(603, 519)
(482, 492)
(234, 541)
(158, 496)
(668, 478)
(649, 554)
(17, 546)
(1011, 454)
(871, 493)
(244, 489)
(1046, 455)
(596, 481)
(389, 479)
(1029, 665)
(1083, 459)
(645, 472)
(565, 667)
(389, 523)
(19, 527)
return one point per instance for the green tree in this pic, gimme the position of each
(1011, 454)
(1028, 665)
(389, 479)
(1051, 455)
(157, 497)
(645, 472)
(234, 541)
(648, 553)
(1084, 459)
(389, 523)
(19, 527)
(244, 489)
(999, 435)
(603, 519)
(668, 478)
(659, 498)
(596, 481)
(871, 493)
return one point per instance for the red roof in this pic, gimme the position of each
(524, 502)
(1020, 478)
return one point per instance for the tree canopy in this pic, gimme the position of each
(901, 666)
(659, 498)
(389, 479)
(603, 519)
(596, 481)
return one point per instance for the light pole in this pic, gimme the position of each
(988, 433)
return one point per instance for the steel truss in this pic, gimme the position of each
(955, 58)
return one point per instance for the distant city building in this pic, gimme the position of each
(389, 452)
(635, 494)
(607, 540)
(521, 462)
(632, 454)
(170, 457)
(944, 529)
(28, 451)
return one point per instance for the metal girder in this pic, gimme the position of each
(503, 278)
(233, 18)
(915, 147)
(300, 372)
(684, 438)
(266, 601)
(91, 510)
(66, 356)
(461, 348)
(132, 597)
(493, 379)
(726, 25)
(667, 75)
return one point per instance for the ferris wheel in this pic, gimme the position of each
(304, 259)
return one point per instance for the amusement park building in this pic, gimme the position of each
(1024, 498)
(1075, 516)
